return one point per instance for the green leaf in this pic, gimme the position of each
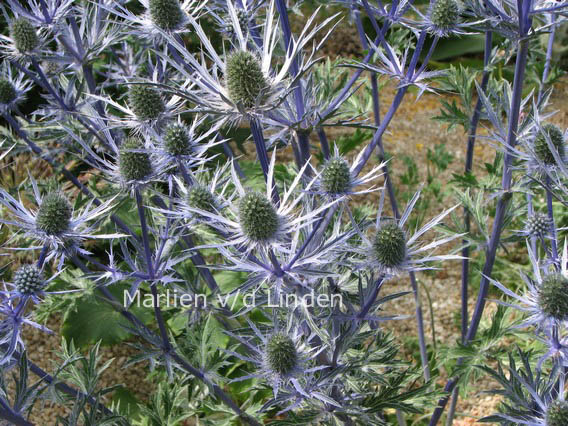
(93, 319)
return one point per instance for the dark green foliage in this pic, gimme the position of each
(28, 279)
(54, 214)
(134, 165)
(245, 80)
(258, 217)
(390, 245)
(166, 14)
(281, 354)
(145, 102)
(7, 92)
(336, 176)
(24, 35)
(553, 296)
(541, 148)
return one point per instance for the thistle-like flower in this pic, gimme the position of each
(161, 17)
(392, 251)
(557, 413)
(7, 92)
(13, 87)
(24, 35)
(553, 296)
(29, 280)
(537, 225)
(55, 224)
(246, 83)
(545, 299)
(145, 102)
(338, 178)
(134, 161)
(241, 83)
(445, 14)
(549, 134)
(283, 358)
(253, 220)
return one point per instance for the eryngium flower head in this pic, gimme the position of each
(445, 14)
(257, 217)
(7, 92)
(133, 163)
(537, 224)
(145, 102)
(336, 176)
(166, 14)
(541, 148)
(54, 214)
(557, 413)
(553, 296)
(244, 78)
(28, 280)
(176, 140)
(24, 35)
(281, 354)
(199, 197)
(390, 245)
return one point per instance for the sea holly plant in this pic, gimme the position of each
(172, 184)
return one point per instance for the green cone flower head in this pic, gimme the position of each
(389, 246)
(557, 414)
(538, 224)
(281, 354)
(244, 78)
(445, 14)
(28, 280)
(24, 35)
(199, 197)
(166, 14)
(541, 148)
(553, 296)
(54, 214)
(257, 217)
(7, 92)
(134, 165)
(145, 101)
(336, 176)
(176, 140)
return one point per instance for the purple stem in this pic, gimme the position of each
(262, 154)
(468, 168)
(499, 214)
(144, 227)
(553, 237)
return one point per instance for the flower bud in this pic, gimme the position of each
(257, 217)
(557, 413)
(390, 245)
(199, 197)
(553, 296)
(166, 14)
(7, 92)
(28, 280)
(244, 77)
(538, 224)
(145, 101)
(336, 176)
(176, 140)
(54, 214)
(24, 35)
(445, 14)
(281, 354)
(134, 165)
(541, 148)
